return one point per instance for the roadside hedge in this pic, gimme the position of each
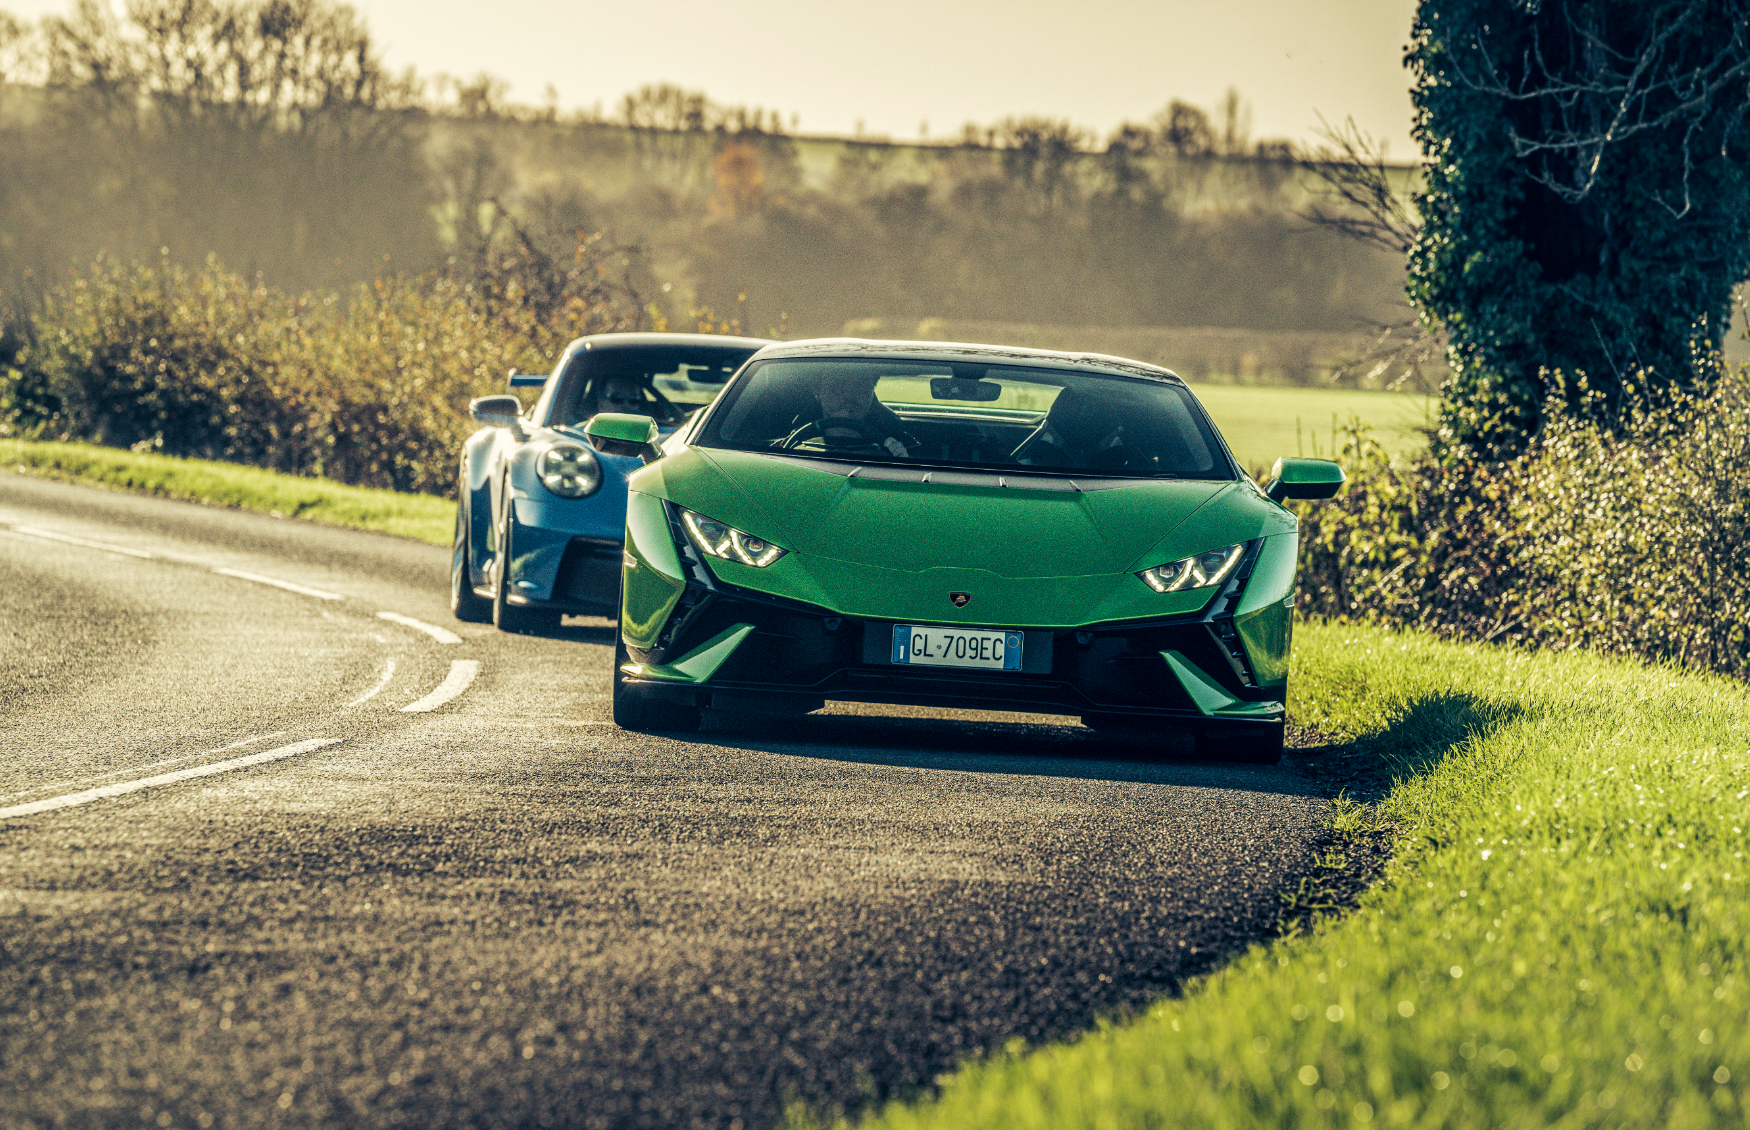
(1625, 532)
(368, 389)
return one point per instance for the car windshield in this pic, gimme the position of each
(665, 383)
(979, 416)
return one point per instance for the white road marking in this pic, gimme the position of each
(148, 765)
(462, 675)
(441, 635)
(388, 673)
(279, 584)
(32, 531)
(192, 773)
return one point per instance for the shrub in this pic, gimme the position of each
(371, 391)
(1640, 542)
(156, 357)
(1621, 531)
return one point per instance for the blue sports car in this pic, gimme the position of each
(541, 511)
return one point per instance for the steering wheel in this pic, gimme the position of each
(817, 430)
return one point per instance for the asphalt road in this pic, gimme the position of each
(498, 910)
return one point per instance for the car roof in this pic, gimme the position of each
(643, 340)
(966, 351)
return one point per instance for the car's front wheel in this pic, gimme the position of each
(642, 708)
(467, 605)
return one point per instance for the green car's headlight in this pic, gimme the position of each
(1197, 572)
(729, 543)
(569, 471)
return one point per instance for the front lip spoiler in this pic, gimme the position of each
(1068, 699)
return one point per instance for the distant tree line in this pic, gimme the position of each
(270, 133)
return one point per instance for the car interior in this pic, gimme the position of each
(976, 416)
(666, 385)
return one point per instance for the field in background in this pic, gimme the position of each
(1208, 354)
(1264, 424)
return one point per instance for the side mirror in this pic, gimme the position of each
(621, 433)
(1303, 478)
(527, 380)
(497, 411)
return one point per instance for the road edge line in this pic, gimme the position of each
(87, 543)
(122, 788)
(462, 674)
(279, 584)
(441, 635)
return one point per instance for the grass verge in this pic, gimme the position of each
(416, 516)
(1263, 424)
(1559, 940)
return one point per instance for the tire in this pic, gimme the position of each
(467, 605)
(638, 709)
(1250, 743)
(508, 617)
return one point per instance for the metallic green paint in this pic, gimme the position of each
(1210, 698)
(622, 427)
(1265, 616)
(651, 577)
(1304, 478)
(698, 665)
(884, 550)
(875, 592)
(893, 550)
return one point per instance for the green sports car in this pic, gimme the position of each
(961, 526)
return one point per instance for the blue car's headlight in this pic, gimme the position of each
(569, 471)
(1197, 572)
(729, 543)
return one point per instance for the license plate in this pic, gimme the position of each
(926, 645)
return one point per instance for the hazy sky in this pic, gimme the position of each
(896, 64)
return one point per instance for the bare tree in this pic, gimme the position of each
(17, 48)
(665, 106)
(1185, 129)
(1593, 80)
(1360, 200)
(283, 60)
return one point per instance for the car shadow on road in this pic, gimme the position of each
(1430, 732)
(1022, 748)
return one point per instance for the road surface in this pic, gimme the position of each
(282, 844)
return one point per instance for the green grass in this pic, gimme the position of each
(416, 516)
(1559, 941)
(1263, 424)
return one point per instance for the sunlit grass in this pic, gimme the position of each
(418, 516)
(1560, 940)
(1263, 424)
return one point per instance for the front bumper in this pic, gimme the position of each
(778, 652)
(564, 559)
(729, 647)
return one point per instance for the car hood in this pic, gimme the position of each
(883, 543)
(1013, 526)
